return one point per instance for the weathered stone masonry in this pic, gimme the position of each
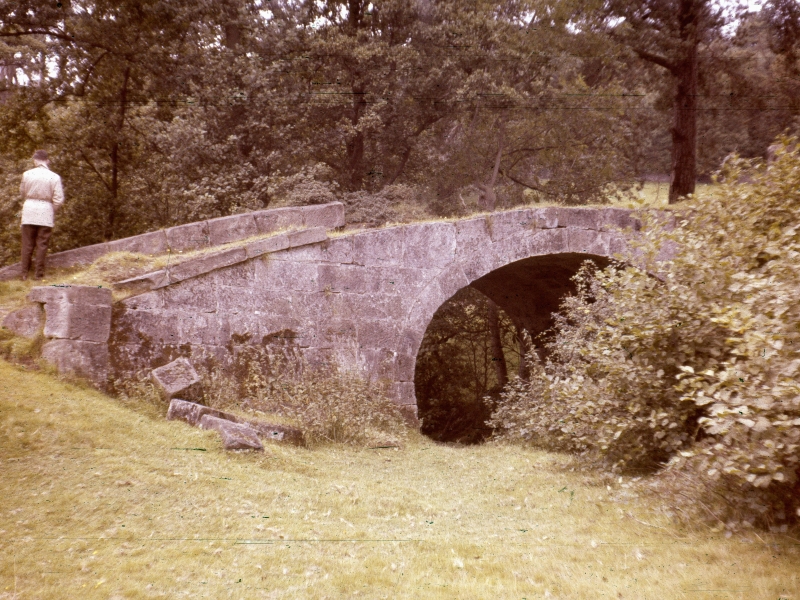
(364, 298)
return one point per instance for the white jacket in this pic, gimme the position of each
(41, 189)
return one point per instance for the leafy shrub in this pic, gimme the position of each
(697, 367)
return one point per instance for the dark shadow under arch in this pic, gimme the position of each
(528, 292)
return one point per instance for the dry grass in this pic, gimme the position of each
(104, 499)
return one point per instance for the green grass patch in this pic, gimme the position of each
(105, 499)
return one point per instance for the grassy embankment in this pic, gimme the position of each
(102, 499)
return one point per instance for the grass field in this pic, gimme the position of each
(102, 499)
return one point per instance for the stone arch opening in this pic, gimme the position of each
(451, 403)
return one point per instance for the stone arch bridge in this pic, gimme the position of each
(368, 296)
(364, 297)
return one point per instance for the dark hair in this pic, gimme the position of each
(40, 155)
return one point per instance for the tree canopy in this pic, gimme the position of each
(161, 112)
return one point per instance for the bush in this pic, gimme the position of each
(331, 403)
(696, 368)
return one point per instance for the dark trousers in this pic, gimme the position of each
(38, 236)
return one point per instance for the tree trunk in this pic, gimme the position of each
(355, 146)
(523, 371)
(684, 131)
(488, 195)
(112, 209)
(498, 358)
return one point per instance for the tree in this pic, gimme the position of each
(102, 70)
(669, 34)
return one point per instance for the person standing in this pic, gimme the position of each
(43, 195)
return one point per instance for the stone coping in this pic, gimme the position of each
(201, 234)
(217, 260)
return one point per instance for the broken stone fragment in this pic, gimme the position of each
(176, 378)
(279, 433)
(192, 412)
(25, 322)
(235, 436)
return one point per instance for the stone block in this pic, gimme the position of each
(403, 392)
(10, 272)
(451, 280)
(479, 263)
(147, 243)
(243, 326)
(588, 241)
(241, 275)
(75, 294)
(379, 248)
(235, 436)
(78, 256)
(143, 283)
(405, 366)
(348, 305)
(548, 217)
(342, 278)
(206, 264)
(337, 332)
(238, 299)
(188, 237)
(504, 225)
(377, 334)
(76, 357)
(159, 327)
(328, 216)
(612, 219)
(582, 218)
(307, 236)
(411, 415)
(286, 275)
(377, 362)
(177, 378)
(409, 342)
(191, 294)
(87, 322)
(270, 244)
(229, 229)
(274, 219)
(429, 245)
(192, 412)
(26, 321)
(204, 328)
(148, 301)
(472, 235)
(338, 250)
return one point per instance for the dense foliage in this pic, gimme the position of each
(692, 361)
(161, 112)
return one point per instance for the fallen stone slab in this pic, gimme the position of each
(176, 378)
(25, 322)
(192, 412)
(235, 436)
